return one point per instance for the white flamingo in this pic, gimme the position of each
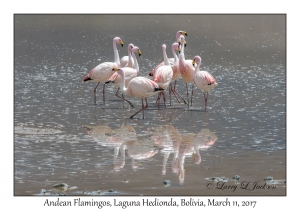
(103, 71)
(164, 74)
(171, 60)
(127, 61)
(174, 62)
(186, 68)
(204, 80)
(141, 87)
(130, 73)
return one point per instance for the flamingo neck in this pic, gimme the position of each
(136, 65)
(175, 56)
(122, 85)
(116, 152)
(197, 69)
(182, 51)
(166, 60)
(129, 58)
(116, 54)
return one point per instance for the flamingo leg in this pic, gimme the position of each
(143, 107)
(95, 93)
(103, 93)
(170, 90)
(158, 98)
(187, 90)
(164, 95)
(206, 98)
(192, 94)
(175, 91)
(123, 98)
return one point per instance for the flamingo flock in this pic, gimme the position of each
(124, 75)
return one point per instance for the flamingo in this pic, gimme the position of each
(103, 71)
(127, 61)
(130, 73)
(164, 74)
(141, 87)
(171, 60)
(186, 68)
(176, 73)
(204, 80)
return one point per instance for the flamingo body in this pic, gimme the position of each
(127, 61)
(204, 80)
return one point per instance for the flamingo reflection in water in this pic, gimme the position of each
(115, 138)
(139, 150)
(165, 137)
(191, 145)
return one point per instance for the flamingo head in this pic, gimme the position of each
(180, 33)
(115, 69)
(197, 59)
(130, 46)
(119, 41)
(164, 47)
(175, 46)
(136, 49)
(181, 39)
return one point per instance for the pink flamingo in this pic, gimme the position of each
(171, 60)
(204, 80)
(130, 73)
(140, 87)
(127, 61)
(174, 62)
(186, 68)
(164, 74)
(103, 71)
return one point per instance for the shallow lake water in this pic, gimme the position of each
(64, 144)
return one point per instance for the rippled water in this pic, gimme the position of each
(61, 137)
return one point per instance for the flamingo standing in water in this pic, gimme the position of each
(103, 71)
(141, 87)
(130, 73)
(186, 68)
(171, 60)
(174, 62)
(127, 61)
(204, 80)
(164, 74)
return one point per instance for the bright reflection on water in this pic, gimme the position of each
(61, 137)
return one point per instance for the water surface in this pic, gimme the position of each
(62, 137)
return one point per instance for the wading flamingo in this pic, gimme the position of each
(103, 71)
(140, 87)
(163, 75)
(204, 80)
(186, 69)
(174, 62)
(127, 61)
(130, 73)
(171, 60)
